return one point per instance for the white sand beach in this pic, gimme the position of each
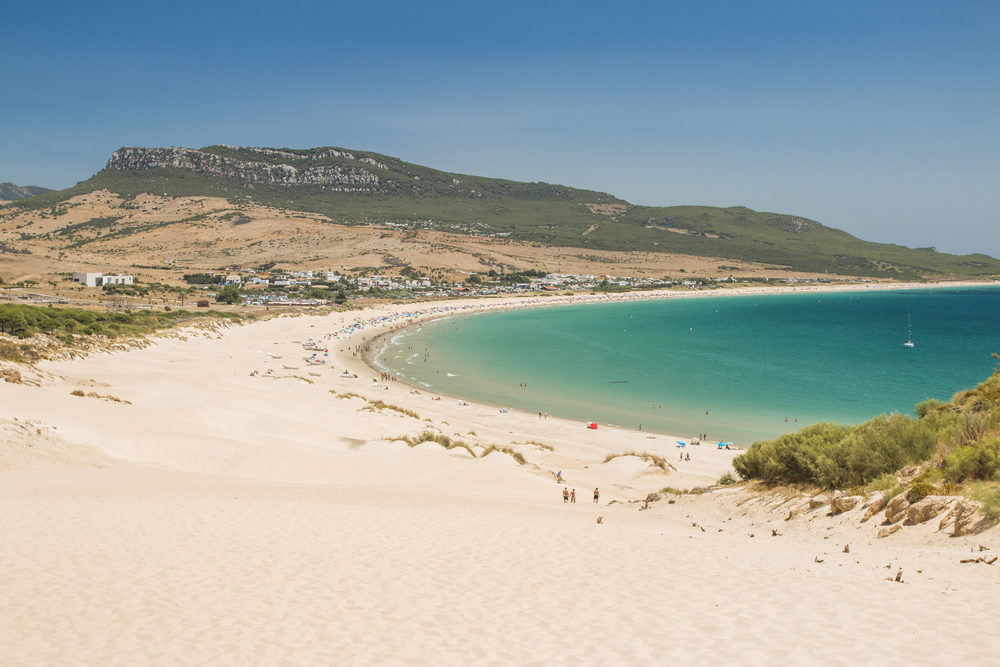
(215, 516)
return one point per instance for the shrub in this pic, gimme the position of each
(978, 461)
(884, 482)
(918, 491)
(727, 479)
(835, 456)
(929, 406)
(893, 491)
(989, 496)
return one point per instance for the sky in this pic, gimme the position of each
(881, 118)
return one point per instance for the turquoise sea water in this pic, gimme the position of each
(749, 361)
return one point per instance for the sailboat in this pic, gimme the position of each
(909, 335)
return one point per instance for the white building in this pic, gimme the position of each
(88, 279)
(99, 280)
(117, 279)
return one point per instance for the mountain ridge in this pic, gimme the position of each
(354, 187)
(11, 192)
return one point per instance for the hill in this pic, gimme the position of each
(363, 188)
(11, 192)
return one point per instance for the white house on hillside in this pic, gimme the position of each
(99, 280)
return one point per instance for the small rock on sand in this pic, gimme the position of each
(889, 530)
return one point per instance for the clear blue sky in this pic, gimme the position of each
(879, 118)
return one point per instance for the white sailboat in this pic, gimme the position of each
(909, 334)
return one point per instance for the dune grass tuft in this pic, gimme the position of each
(540, 445)
(516, 455)
(654, 459)
(450, 443)
(380, 405)
(346, 394)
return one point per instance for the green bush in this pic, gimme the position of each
(835, 456)
(989, 496)
(931, 405)
(977, 461)
(918, 491)
(884, 482)
(727, 479)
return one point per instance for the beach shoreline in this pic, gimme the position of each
(195, 501)
(480, 306)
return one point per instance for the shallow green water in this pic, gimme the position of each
(749, 362)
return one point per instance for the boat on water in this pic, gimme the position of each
(909, 334)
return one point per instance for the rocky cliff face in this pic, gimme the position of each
(132, 158)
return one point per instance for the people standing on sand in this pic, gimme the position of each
(565, 495)
(597, 495)
(687, 458)
(559, 476)
(572, 496)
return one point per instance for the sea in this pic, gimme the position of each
(736, 368)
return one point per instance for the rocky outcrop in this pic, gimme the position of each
(818, 501)
(928, 508)
(134, 159)
(965, 513)
(876, 504)
(896, 509)
(653, 497)
(841, 504)
(11, 375)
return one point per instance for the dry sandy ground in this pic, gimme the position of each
(229, 519)
(201, 233)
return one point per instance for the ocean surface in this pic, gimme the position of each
(734, 367)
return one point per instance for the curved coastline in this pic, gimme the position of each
(415, 318)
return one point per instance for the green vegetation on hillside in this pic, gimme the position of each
(24, 321)
(413, 197)
(960, 440)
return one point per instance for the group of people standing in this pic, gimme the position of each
(570, 496)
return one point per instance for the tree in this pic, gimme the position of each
(13, 322)
(229, 294)
(474, 279)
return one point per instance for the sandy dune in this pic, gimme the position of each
(228, 518)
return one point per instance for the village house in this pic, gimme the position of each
(99, 280)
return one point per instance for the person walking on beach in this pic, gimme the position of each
(572, 496)
(565, 495)
(559, 476)
(597, 496)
